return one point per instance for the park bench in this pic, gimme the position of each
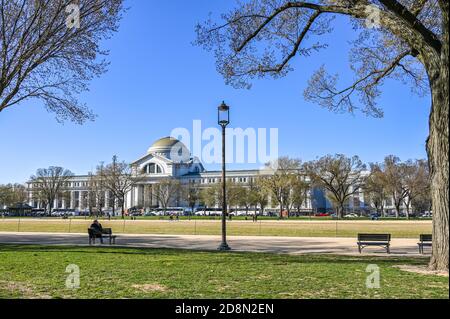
(382, 240)
(106, 233)
(426, 240)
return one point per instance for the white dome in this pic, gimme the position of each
(170, 148)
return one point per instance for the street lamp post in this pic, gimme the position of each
(223, 118)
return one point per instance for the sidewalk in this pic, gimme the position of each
(285, 245)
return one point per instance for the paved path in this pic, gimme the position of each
(287, 245)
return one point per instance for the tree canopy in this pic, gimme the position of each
(50, 50)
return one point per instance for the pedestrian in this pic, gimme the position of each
(98, 230)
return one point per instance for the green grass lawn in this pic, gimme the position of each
(304, 228)
(39, 272)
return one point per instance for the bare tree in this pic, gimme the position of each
(96, 191)
(166, 191)
(50, 50)
(118, 180)
(417, 182)
(422, 202)
(278, 183)
(298, 193)
(406, 40)
(340, 176)
(375, 188)
(258, 194)
(191, 194)
(50, 183)
(394, 172)
(211, 195)
(243, 197)
(5, 196)
(11, 194)
(236, 195)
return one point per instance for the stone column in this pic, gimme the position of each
(151, 195)
(309, 203)
(72, 200)
(80, 199)
(131, 197)
(30, 199)
(146, 202)
(142, 196)
(106, 204)
(361, 199)
(136, 196)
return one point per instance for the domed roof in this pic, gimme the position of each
(171, 147)
(165, 142)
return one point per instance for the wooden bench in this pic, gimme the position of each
(106, 233)
(382, 240)
(426, 240)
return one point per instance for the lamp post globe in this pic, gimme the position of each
(223, 114)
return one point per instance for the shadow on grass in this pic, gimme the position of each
(185, 253)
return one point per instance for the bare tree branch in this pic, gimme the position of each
(42, 56)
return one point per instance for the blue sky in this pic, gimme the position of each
(158, 81)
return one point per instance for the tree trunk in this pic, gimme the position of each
(49, 205)
(437, 148)
(397, 210)
(123, 207)
(340, 212)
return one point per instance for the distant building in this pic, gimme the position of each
(168, 157)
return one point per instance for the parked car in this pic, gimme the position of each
(322, 215)
(351, 215)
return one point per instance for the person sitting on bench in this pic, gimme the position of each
(97, 227)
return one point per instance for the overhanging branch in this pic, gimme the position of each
(415, 24)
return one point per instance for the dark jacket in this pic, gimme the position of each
(98, 227)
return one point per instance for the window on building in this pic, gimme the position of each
(152, 168)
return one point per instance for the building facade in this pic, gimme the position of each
(170, 158)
